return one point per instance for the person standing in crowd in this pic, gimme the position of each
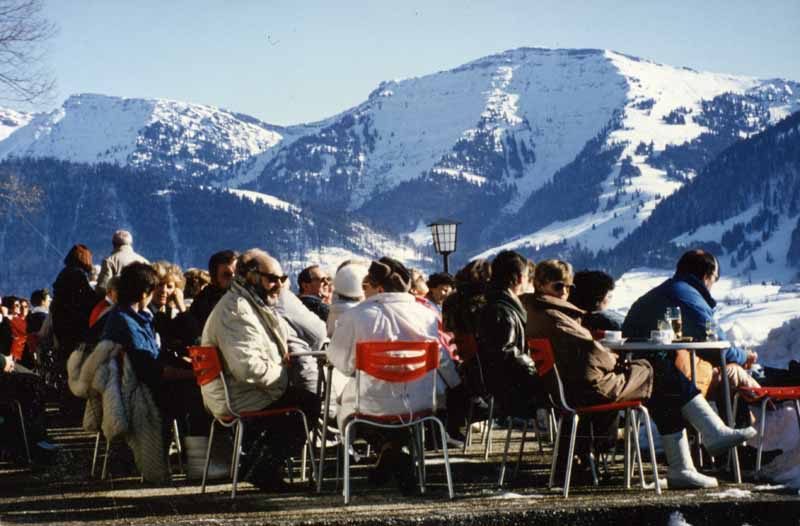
(121, 255)
(440, 285)
(508, 370)
(252, 339)
(315, 290)
(73, 301)
(592, 374)
(389, 313)
(221, 267)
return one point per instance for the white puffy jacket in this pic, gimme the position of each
(383, 317)
(251, 338)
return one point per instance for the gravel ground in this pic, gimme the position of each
(64, 493)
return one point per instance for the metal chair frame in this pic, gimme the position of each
(544, 357)
(207, 367)
(18, 406)
(397, 369)
(763, 396)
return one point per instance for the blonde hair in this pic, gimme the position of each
(551, 270)
(196, 280)
(166, 270)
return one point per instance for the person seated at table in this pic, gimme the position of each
(389, 313)
(592, 374)
(130, 324)
(252, 340)
(690, 289)
(592, 292)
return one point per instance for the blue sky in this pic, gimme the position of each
(296, 61)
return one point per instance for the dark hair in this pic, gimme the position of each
(305, 276)
(439, 279)
(79, 256)
(8, 301)
(591, 288)
(698, 263)
(134, 280)
(507, 268)
(476, 271)
(390, 274)
(225, 257)
(39, 296)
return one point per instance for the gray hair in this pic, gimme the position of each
(122, 237)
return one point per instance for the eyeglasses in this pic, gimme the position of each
(272, 278)
(560, 286)
(324, 279)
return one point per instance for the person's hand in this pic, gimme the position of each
(177, 298)
(3, 311)
(9, 366)
(752, 357)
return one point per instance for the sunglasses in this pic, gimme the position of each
(272, 278)
(325, 279)
(560, 286)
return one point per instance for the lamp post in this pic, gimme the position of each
(444, 232)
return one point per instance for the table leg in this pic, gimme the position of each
(729, 412)
(693, 368)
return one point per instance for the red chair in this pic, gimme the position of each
(207, 368)
(399, 362)
(542, 353)
(764, 396)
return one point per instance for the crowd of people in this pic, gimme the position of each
(113, 352)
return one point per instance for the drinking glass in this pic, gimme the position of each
(711, 330)
(674, 316)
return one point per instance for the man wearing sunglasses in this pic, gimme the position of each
(316, 289)
(253, 341)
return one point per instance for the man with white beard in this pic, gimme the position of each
(252, 339)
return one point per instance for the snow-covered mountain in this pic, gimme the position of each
(10, 120)
(547, 151)
(528, 148)
(181, 138)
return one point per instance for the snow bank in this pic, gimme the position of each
(782, 345)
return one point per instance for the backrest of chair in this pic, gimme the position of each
(397, 361)
(543, 356)
(205, 364)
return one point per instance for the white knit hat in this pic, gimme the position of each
(348, 280)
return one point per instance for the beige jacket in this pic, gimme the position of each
(251, 338)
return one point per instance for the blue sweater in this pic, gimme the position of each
(696, 304)
(134, 331)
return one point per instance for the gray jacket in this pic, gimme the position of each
(113, 264)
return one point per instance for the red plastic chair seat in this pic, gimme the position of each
(754, 394)
(613, 406)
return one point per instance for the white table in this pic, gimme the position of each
(643, 347)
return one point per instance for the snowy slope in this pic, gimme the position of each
(155, 133)
(10, 120)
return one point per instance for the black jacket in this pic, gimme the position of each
(507, 368)
(73, 301)
(315, 305)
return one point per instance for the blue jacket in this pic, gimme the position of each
(134, 331)
(696, 304)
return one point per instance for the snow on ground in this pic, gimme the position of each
(11, 120)
(269, 200)
(732, 493)
(676, 518)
